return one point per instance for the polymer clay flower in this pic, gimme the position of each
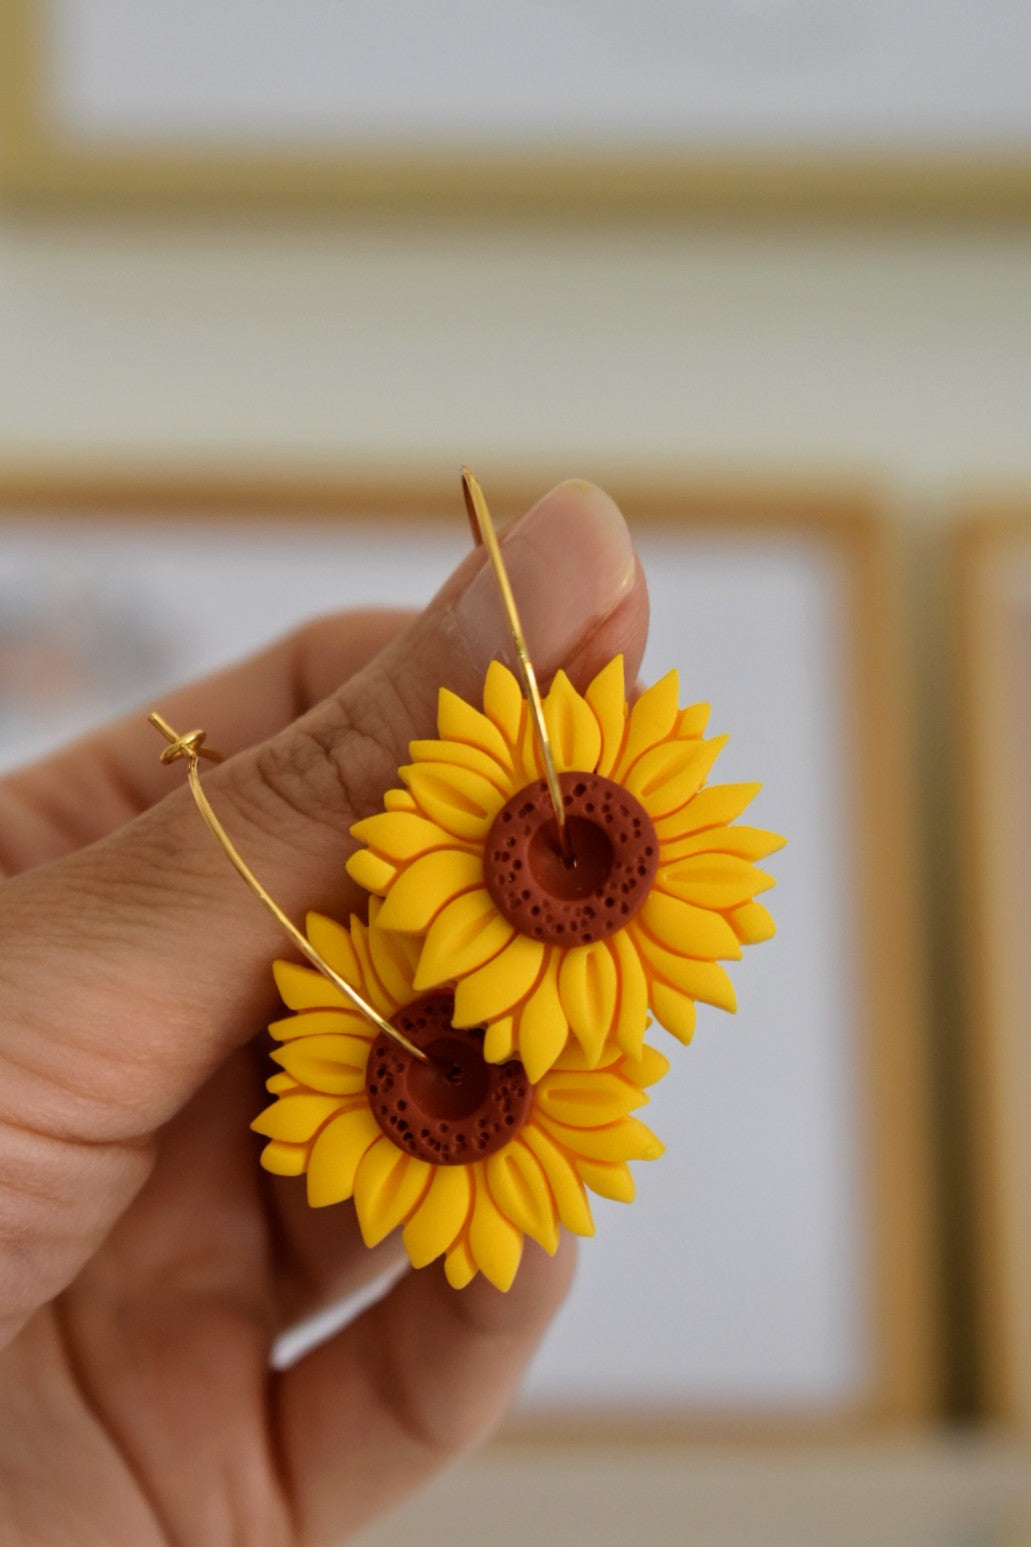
(468, 1157)
(656, 889)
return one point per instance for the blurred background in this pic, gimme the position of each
(747, 248)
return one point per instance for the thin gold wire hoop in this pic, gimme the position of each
(192, 748)
(483, 534)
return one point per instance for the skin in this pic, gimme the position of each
(147, 1264)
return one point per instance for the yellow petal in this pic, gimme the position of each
(394, 957)
(652, 719)
(316, 1023)
(281, 1084)
(542, 1027)
(632, 1010)
(337, 1153)
(499, 1042)
(373, 990)
(573, 1060)
(492, 990)
(607, 698)
(503, 702)
(674, 1010)
(703, 980)
(692, 721)
(589, 989)
(296, 1119)
(687, 930)
(464, 803)
(716, 806)
(528, 764)
(439, 1219)
(426, 886)
(628, 1139)
(495, 1243)
(608, 1180)
(587, 1100)
(458, 754)
(468, 933)
(752, 924)
(370, 872)
(459, 721)
(333, 943)
(566, 1187)
(572, 727)
(459, 1264)
(284, 1159)
(713, 880)
(388, 1186)
(333, 1064)
(646, 1070)
(520, 1190)
(400, 835)
(302, 988)
(749, 843)
(668, 776)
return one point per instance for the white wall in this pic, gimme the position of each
(902, 352)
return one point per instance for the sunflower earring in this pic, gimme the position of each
(465, 1066)
(564, 864)
(379, 1098)
(468, 1158)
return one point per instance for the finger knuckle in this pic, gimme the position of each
(334, 764)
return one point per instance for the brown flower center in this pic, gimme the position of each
(454, 1108)
(574, 900)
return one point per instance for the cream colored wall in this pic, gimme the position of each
(906, 353)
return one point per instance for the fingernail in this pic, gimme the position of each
(570, 561)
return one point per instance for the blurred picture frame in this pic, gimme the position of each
(992, 583)
(710, 107)
(780, 1273)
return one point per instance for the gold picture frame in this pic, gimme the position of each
(992, 587)
(836, 546)
(41, 161)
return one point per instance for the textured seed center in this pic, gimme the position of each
(587, 894)
(455, 1107)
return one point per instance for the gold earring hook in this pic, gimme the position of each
(483, 533)
(191, 746)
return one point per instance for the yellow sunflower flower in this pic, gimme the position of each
(468, 1157)
(660, 890)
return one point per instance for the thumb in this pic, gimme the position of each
(132, 968)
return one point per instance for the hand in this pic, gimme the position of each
(146, 1262)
